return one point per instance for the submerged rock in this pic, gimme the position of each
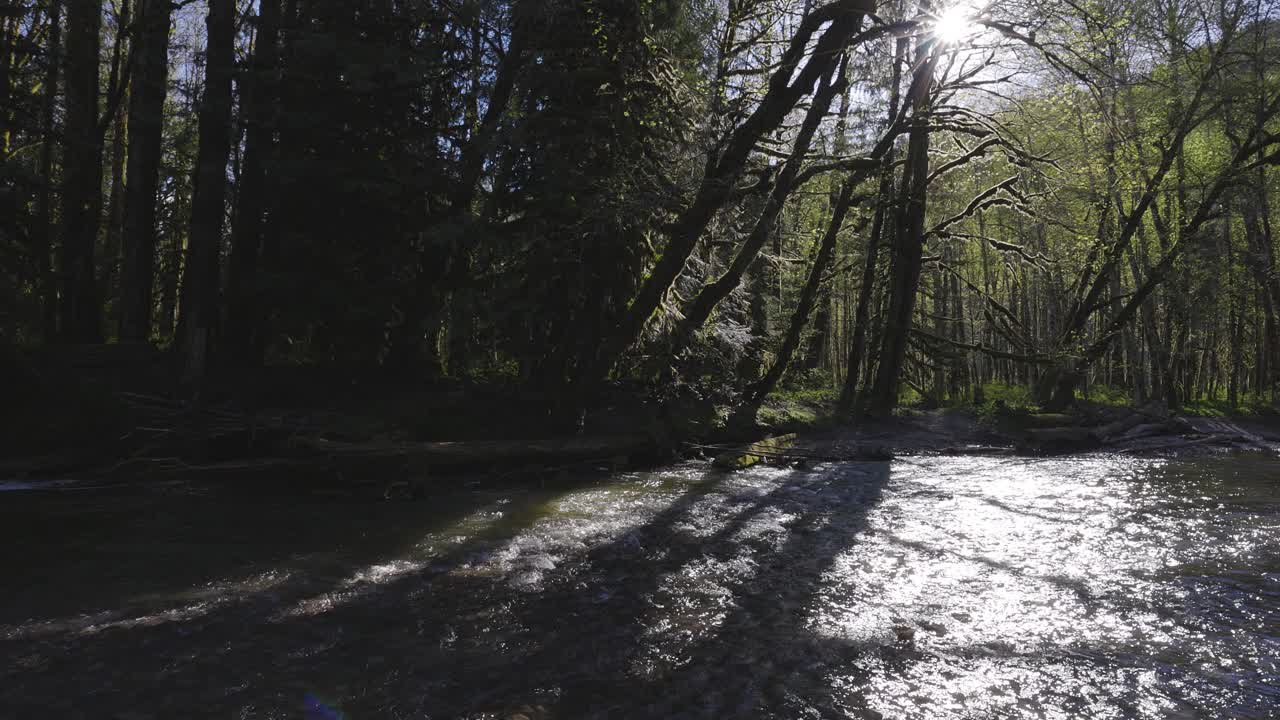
(542, 562)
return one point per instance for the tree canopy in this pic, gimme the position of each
(881, 200)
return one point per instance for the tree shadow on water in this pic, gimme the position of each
(137, 550)
(661, 642)
(700, 611)
(144, 599)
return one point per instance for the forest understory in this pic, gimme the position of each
(109, 415)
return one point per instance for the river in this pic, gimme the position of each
(931, 587)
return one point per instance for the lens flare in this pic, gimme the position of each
(955, 24)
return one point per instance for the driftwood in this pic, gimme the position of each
(977, 450)
(782, 450)
(1148, 430)
(755, 453)
(1197, 432)
(1072, 436)
(1125, 433)
(1187, 443)
(1112, 431)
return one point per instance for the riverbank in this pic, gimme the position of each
(120, 414)
(1086, 429)
(112, 414)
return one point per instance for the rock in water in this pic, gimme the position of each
(542, 562)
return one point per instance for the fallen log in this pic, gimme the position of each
(481, 453)
(977, 450)
(755, 453)
(1185, 443)
(1106, 434)
(1149, 429)
(168, 469)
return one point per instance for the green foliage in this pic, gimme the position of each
(350, 178)
(816, 396)
(1251, 406)
(1107, 395)
(1000, 398)
(910, 397)
(815, 380)
(792, 411)
(591, 176)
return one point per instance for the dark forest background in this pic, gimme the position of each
(874, 202)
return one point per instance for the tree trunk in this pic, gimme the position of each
(960, 381)
(1059, 385)
(816, 351)
(1261, 263)
(246, 313)
(109, 282)
(413, 342)
(908, 244)
(44, 204)
(941, 310)
(146, 129)
(10, 16)
(808, 295)
(117, 123)
(80, 310)
(1092, 289)
(1236, 328)
(198, 314)
(842, 19)
(715, 292)
(857, 347)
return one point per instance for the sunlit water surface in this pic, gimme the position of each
(1096, 587)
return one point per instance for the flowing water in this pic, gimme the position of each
(1089, 587)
